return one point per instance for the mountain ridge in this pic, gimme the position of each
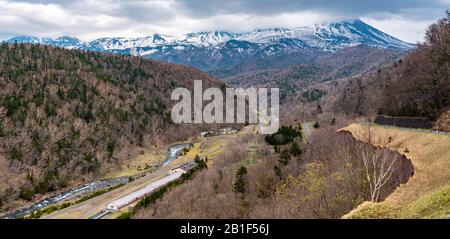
(216, 51)
(327, 32)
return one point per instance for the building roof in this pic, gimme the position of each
(136, 195)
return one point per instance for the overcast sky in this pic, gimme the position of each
(90, 19)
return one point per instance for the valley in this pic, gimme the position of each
(87, 128)
(206, 147)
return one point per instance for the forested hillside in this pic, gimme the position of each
(415, 85)
(344, 63)
(66, 115)
(418, 85)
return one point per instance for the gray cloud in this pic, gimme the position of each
(88, 19)
(350, 8)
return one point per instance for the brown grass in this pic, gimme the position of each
(430, 155)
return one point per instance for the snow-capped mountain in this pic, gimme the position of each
(65, 41)
(218, 49)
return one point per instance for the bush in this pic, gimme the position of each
(26, 192)
(59, 64)
(110, 148)
(316, 125)
(50, 109)
(12, 104)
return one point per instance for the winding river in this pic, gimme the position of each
(173, 152)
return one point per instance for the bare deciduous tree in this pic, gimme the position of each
(379, 168)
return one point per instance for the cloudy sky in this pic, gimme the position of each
(90, 19)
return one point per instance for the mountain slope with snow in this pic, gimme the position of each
(218, 50)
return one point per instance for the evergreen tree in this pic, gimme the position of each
(240, 183)
(285, 157)
(319, 109)
(333, 121)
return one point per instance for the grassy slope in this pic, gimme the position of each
(427, 193)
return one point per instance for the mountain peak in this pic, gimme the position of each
(328, 37)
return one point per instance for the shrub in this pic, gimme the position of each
(59, 64)
(26, 192)
(12, 104)
(316, 125)
(15, 154)
(110, 148)
(50, 109)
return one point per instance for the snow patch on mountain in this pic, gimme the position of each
(326, 37)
